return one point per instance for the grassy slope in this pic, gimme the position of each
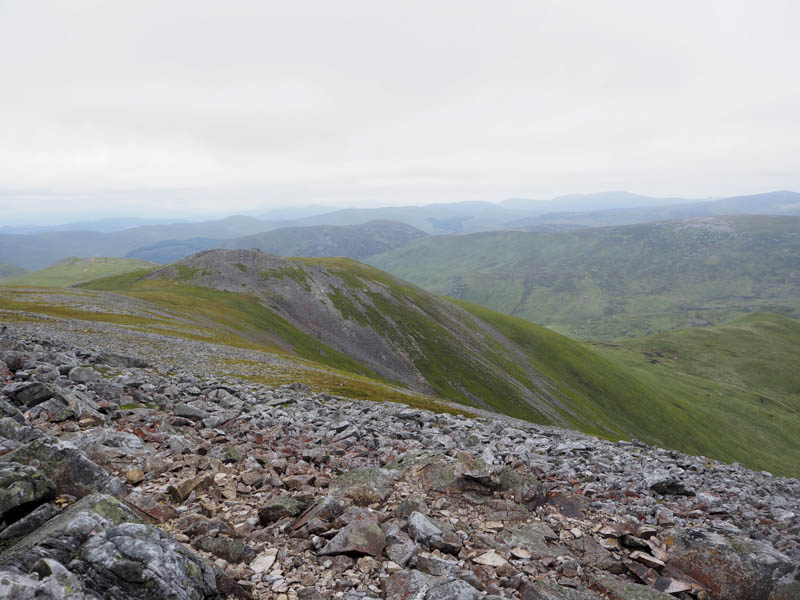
(72, 271)
(716, 399)
(620, 281)
(736, 383)
(7, 270)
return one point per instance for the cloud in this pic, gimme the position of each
(362, 101)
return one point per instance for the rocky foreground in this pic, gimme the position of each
(120, 479)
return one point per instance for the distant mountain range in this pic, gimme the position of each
(615, 282)
(353, 241)
(37, 250)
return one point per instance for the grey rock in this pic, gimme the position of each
(421, 528)
(83, 375)
(22, 489)
(30, 522)
(69, 468)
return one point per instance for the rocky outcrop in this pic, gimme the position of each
(196, 487)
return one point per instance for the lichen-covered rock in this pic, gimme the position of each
(614, 589)
(69, 468)
(125, 560)
(545, 590)
(278, 508)
(365, 486)
(233, 551)
(731, 567)
(358, 537)
(113, 554)
(22, 489)
(30, 522)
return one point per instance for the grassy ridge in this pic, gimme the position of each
(729, 392)
(617, 281)
(72, 271)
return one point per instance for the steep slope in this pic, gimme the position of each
(617, 281)
(352, 241)
(72, 271)
(363, 328)
(394, 330)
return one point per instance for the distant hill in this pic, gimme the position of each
(7, 270)
(37, 250)
(352, 241)
(72, 271)
(42, 249)
(584, 212)
(99, 225)
(617, 281)
(372, 328)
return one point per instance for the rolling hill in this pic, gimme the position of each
(593, 210)
(72, 271)
(39, 250)
(366, 330)
(7, 270)
(617, 281)
(352, 241)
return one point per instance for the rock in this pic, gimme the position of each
(190, 412)
(667, 485)
(22, 489)
(409, 585)
(83, 375)
(29, 394)
(279, 508)
(544, 590)
(29, 522)
(264, 561)
(734, 568)
(453, 590)
(365, 486)
(49, 581)
(522, 488)
(537, 538)
(422, 528)
(490, 559)
(131, 557)
(356, 538)
(116, 555)
(181, 490)
(624, 590)
(437, 566)
(66, 466)
(233, 551)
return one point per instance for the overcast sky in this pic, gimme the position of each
(183, 108)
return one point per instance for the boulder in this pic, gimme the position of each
(22, 489)
(69, 468)
(358, 537)
(113, 553)
(731, 567)
(545, 590)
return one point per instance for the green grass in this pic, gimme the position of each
(617, 282)
(72, 271)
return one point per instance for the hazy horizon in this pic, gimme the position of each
(200, 109)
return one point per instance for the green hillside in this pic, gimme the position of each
(72, 271)
(480, 358)
(7, 270)
(617, 281)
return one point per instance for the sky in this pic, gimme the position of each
(186, 108)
